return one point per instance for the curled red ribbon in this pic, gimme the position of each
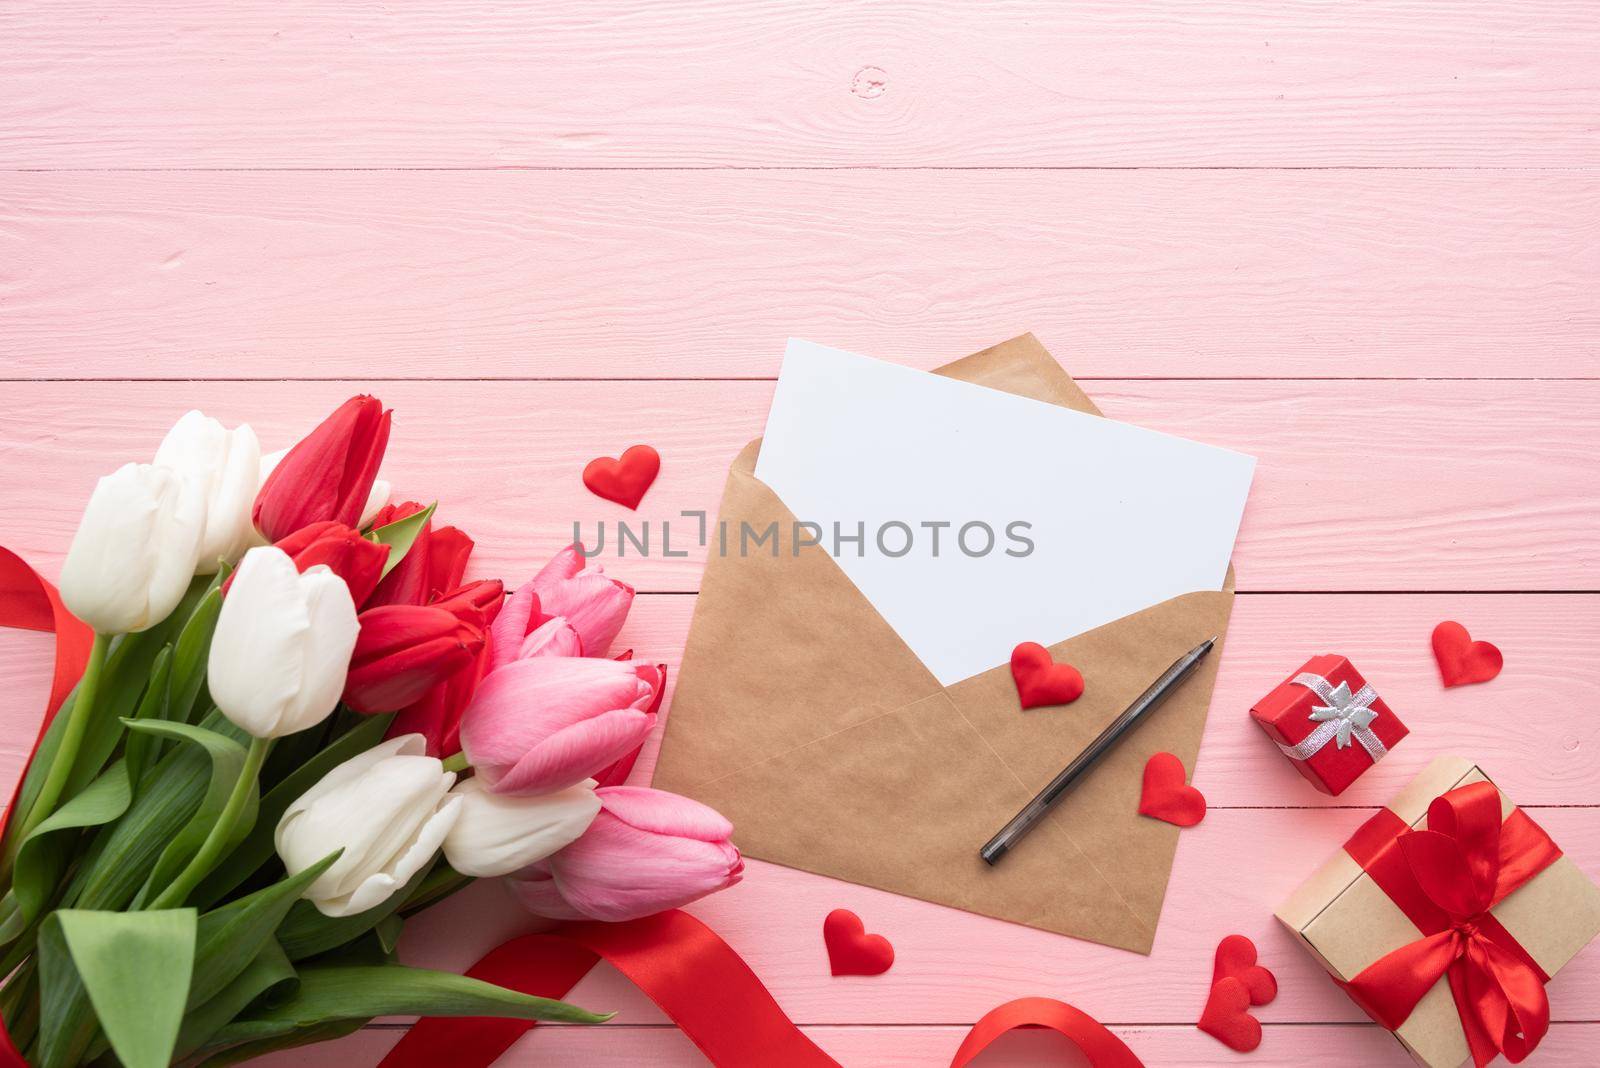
(706, 989)
(1447, 879)
(29, 602)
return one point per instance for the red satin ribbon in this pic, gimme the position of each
(1104, 1049)
(705, 988)
(29, 602)
(1446, 879)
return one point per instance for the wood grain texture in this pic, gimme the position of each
(952, 966)
(799, 83)
(924, 1046)
(1361, 485)
(562, 274)
(1533, 727)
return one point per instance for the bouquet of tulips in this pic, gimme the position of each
(298, 726)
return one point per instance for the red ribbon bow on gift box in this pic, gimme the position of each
(1446, 879)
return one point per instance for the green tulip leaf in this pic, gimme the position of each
(227, 763)
(127, 670)
(328, 993)
(249, 1051)
(230, 942)
(134, 969)
(142, 748)
(232, 936)
(257, 847)
(306, 932)
(190, 656)
(268, 972)
(44, 854)
(119, 860)
(400, 535)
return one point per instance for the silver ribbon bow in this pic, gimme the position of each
(1342, 715)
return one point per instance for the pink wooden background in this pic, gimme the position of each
(1358, 238)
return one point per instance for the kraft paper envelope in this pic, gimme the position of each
(802, 716)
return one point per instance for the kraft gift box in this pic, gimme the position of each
(1348, 921)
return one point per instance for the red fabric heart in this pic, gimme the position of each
(1462, 660)
(1042, 681)
(851, 951)
(624, 480)
(1227, 1018)
(1236, 959)
(1165, 797)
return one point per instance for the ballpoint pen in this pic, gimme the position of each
(1135, 713)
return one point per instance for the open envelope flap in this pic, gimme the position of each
(803, 717)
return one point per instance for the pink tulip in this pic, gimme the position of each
(550, 722)
(553, 637)
(593, 603)
(646, 851)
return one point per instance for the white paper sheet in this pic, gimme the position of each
(1120, 518)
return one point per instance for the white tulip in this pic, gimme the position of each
(497, 834)
(377, 497)
(282, 645)
(225, 465)
(135, 550)
(389, 809)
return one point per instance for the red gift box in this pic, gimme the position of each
(1329, 722)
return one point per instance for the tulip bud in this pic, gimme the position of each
(496, 834)
(135, 550)
(591, 603)
(282, 645)
(388, 809)
(645, 852)
(595, 604)
(404, 650)
(222, 463)
(437, 714)
(407, 581)
(342, 550)
(553, 637)
(377, 497)
(328, 474)
(548, 723)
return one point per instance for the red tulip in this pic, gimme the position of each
(436, 562)
(437, 714)
(404, 650)
(343, 550)
(328, 474)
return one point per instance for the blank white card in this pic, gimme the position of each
(1088, 519)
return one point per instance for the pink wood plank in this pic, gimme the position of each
(662, 274)
(1363, 485)
(923, 1046)
(804, 83)
(951, 966)
(1541, 755)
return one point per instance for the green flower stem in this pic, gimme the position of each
(457, 763)
(55, 780)
(216, 843)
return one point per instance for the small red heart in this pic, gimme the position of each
(1462, 660)
(1236, 959)
(851, 951)
(624, 480)
(1227, 1018)
(1165, 797)
(1042, 681)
